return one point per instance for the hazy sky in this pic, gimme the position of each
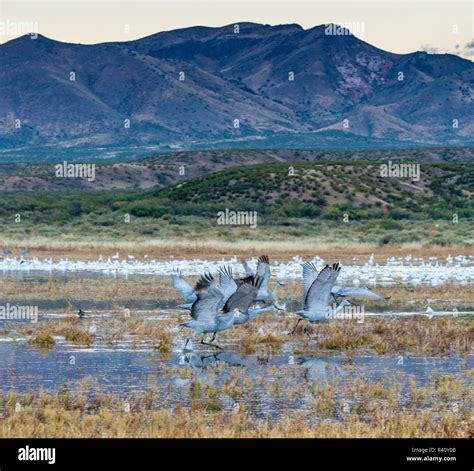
(398, 26)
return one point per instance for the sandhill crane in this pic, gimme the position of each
(198, 362)
(227, 285)
(206, 318)
(183, 287)
(263, 270)
(362, 292)
(246, 295)
(317, 292)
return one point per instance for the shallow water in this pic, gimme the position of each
(128, 372)
(55, 307)
(126, 369)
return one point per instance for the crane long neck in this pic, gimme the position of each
(255, 312)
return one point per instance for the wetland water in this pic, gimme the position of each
(130, 367)
(127, 372)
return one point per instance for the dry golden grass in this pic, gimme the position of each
(439, 336)
(119, 291)
(423, 336)
(441, 297)
(441, 409)
(72, 329)
(87, 249)
(76, 289)
(268, 334)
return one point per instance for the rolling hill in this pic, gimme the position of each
(329, 200)
(302, 189)
(164, 169)
(326, 189)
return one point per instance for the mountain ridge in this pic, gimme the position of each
(229, 76)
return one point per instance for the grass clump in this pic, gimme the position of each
(43, 341)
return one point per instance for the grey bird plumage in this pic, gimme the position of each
(245, 296)
(263, 270)
(227, 285)
(317, 292)
(361, 292)
(205, 315)
(183, 287)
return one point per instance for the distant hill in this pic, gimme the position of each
(164, 169)
(228, 76)
(326, 189)
(329, 201)
(306, 190)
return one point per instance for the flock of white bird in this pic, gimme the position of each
(243, 292)
(218, 305)
(406, 271)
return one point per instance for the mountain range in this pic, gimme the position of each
(208, 87)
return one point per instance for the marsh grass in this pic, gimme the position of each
(42, 340)
(165, 343)
(266, 334)
(206, 246)
(417, 335)
(72, 329)
(353, 408)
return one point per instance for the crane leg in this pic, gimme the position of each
(210, 343)
(188, 339)
(296, 325)
(306, 332)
